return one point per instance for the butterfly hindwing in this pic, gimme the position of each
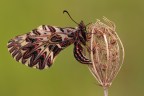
(80, 52)
(39, 47)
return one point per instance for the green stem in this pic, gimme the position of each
(105, 91)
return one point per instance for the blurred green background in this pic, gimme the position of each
(67, 77)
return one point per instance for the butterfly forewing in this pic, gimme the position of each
(39, 47)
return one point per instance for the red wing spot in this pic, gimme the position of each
(44, 54)
(65, 39)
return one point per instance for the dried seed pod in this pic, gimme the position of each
(106, 51)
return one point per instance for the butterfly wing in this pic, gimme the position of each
(81, 53)
(40, 47)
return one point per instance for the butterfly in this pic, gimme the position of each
(39, 47)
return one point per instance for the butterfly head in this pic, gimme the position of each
(81, 31)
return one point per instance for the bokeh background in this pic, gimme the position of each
(67, 77)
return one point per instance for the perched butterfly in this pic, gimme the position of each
(39, 47)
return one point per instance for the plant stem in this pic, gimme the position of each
(105, 91)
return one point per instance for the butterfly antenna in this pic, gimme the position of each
(65, 11)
